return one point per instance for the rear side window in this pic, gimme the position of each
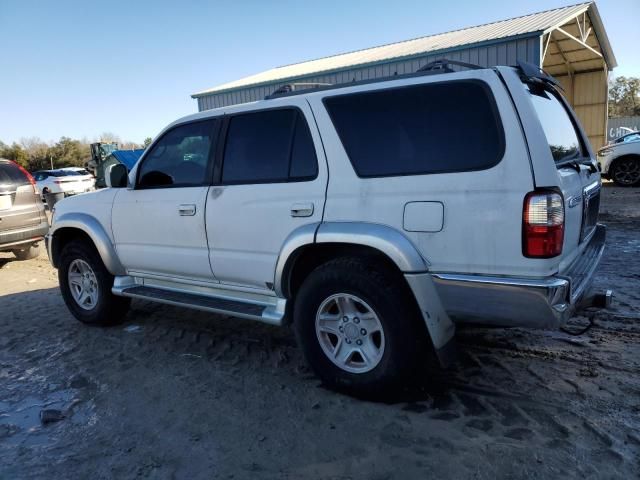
(269, 146)
(10, 175)
(557, 125)
(434, 128)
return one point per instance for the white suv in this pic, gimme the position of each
(373, 215)
(620, 160)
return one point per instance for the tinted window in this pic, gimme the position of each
(269, 146)
(304, 163)
(634, 137)
(180, 158)
(39, 176)
(441, 127)
(10, 174)
(557, 125)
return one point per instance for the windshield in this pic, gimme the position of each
(557, 125)
(631, 137)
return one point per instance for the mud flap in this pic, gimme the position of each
(440, 327)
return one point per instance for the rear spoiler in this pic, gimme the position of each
(534, 73)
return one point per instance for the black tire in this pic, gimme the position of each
(27, 253)
(625, 171)
(405, 334)
(109, 309)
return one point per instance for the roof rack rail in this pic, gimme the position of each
(444, 65)
(531, 71)
(293, 87)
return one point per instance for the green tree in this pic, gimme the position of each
(147, 142)
(624, 97)
(68, 152)
(16, 153)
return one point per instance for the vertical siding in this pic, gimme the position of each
(502, 53)
(590, 104)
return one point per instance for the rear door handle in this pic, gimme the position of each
(187, 210)
(302, 209)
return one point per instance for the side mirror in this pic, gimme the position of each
(117, 176)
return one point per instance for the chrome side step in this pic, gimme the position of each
(266, 313)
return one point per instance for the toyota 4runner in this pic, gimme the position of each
(374, 216)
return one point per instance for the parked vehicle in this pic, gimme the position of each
(355, 212)
(23, 223)
(64, 181)
(78, 170)
(104, 155)
(620, 160)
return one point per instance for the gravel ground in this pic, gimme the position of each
(175, 393)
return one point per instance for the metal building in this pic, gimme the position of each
(569, 43)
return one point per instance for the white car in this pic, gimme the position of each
(354, 212)
(66, 181)
(620, 160)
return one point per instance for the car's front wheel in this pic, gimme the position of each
(625, 171)
(86, 286)
(358, 327)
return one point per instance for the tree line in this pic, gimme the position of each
(624, 97)
(35, 154)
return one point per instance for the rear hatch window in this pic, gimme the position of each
(561, 133)
(11, 176)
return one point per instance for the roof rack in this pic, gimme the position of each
(444, 66)
(293, 87)
(432, 68)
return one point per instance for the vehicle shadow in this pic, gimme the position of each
(6, 260)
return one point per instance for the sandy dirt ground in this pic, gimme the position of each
(174, 393)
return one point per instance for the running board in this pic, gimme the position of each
(236, 308)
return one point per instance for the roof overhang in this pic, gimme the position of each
(578, 43)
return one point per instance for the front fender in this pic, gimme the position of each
(96, 232)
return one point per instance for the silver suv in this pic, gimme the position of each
(23, 222)
(374, 216)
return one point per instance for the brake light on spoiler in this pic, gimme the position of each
(542, 224)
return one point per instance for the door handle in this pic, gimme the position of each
(302, 209)
(187, 210)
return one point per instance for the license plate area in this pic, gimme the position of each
(6, 202)
(590, 209)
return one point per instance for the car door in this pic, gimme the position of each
(271, 181)
(158, 223)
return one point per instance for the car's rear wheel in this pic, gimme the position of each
(86, 286)
(27, 253)
(358, 327)
(626, 171)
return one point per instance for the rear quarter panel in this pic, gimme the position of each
(482, 210)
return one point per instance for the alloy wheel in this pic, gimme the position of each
(627, 172)
(83, 284)
(350, 333)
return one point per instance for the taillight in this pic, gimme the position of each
(543, 225)
(32, 180)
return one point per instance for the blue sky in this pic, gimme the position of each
(80, 68)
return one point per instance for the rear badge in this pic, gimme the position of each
(573, 201)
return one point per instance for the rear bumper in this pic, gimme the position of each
(19, 237)
(523, 302)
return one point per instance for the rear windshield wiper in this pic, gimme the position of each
(576, 162)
